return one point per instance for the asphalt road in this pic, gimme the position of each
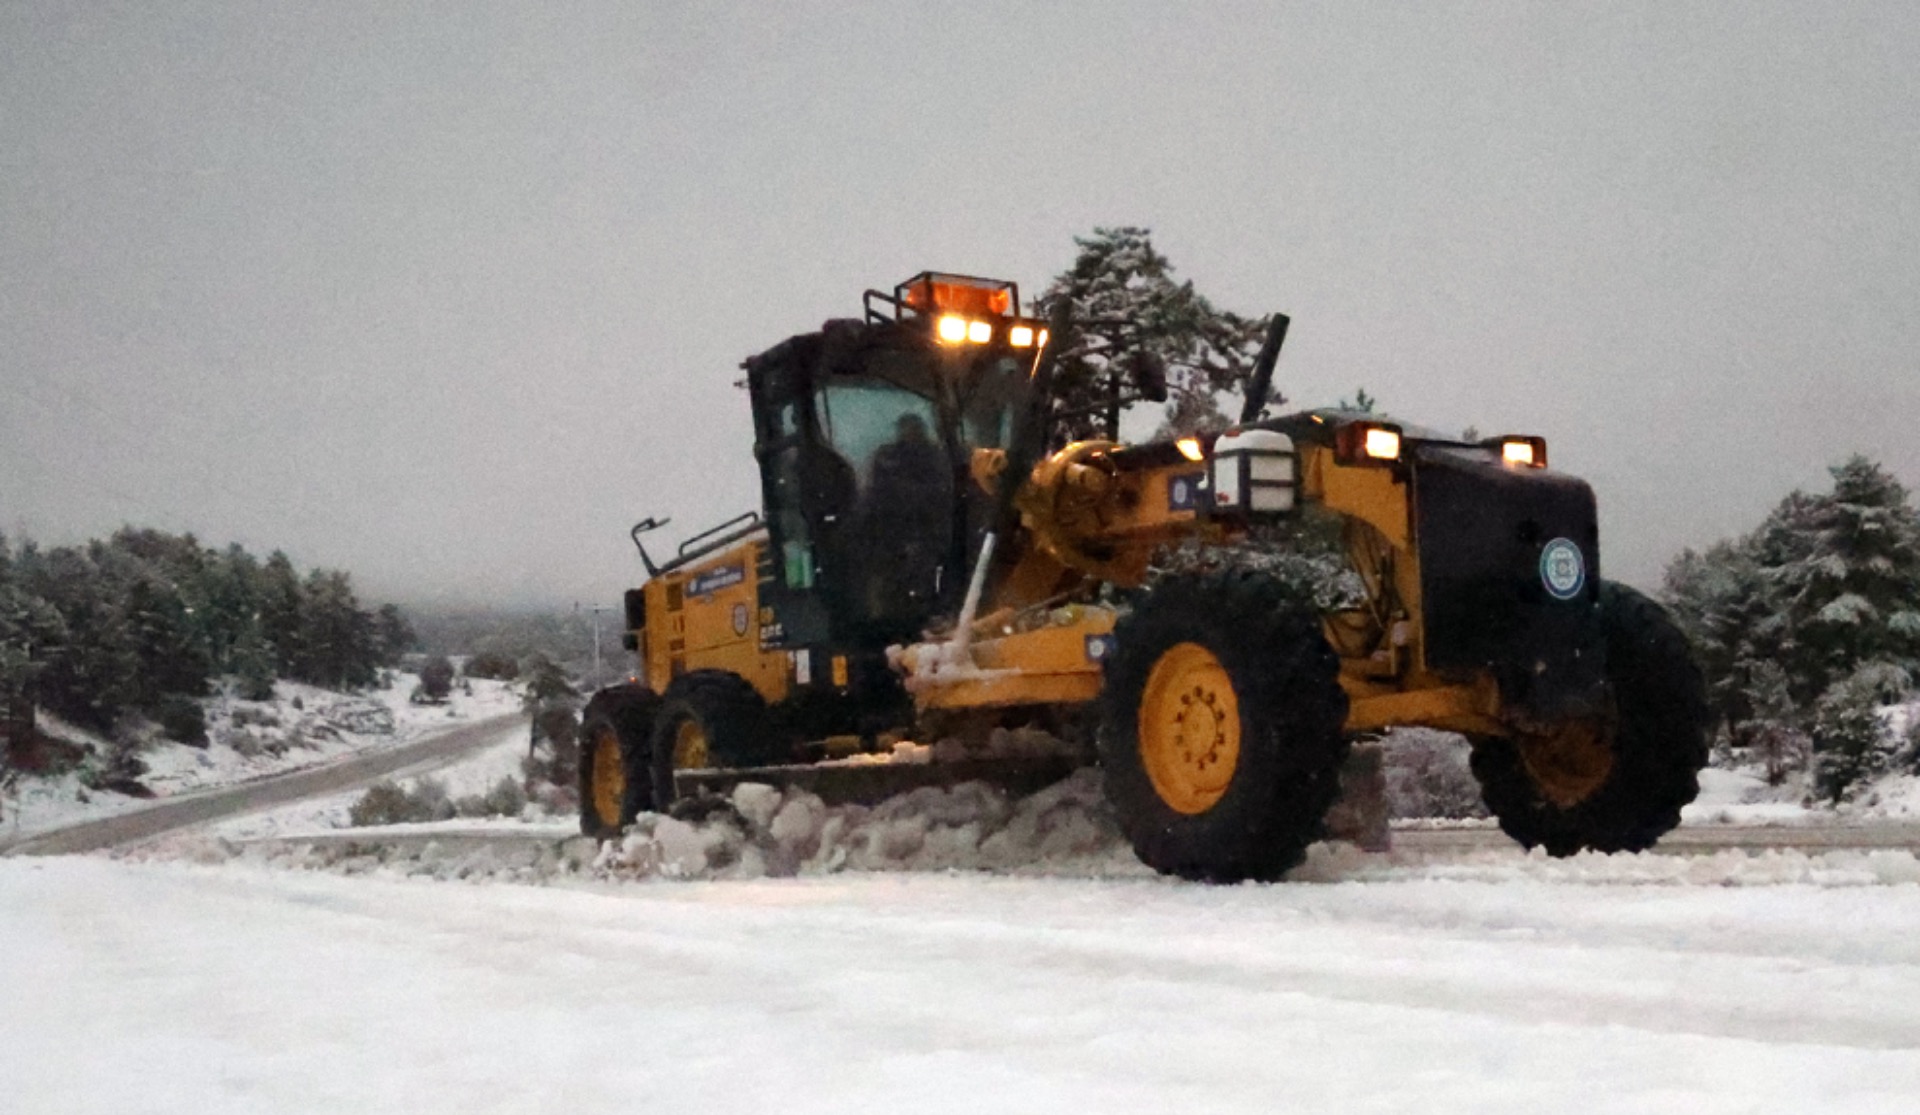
(1694, 840)
(199, 808)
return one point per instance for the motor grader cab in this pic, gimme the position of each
(866, 433)
(923, 551)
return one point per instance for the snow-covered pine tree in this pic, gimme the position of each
(1724, 602)
(89, 677)
(28, 630)
(337, 637)
(393, 636)
(1129, 312)
(281, 607)
(228, 616)
(1849, 578)
(168, 659)
(1773, 735)
(1799, 622)
(1851, 740)
(251, 662)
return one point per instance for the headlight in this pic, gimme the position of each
(1383, 444)
(1020, 336)
(952, 328)
(979, 332)
(1190, 449)
(1523, 452)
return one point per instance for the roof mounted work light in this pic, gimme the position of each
(1368, 443)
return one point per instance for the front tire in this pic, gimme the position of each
(1221, 727)
(1617, 787)
(708, 718)
(616, 784)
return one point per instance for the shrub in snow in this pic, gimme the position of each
(1428, 775)
(552, 765)
(119, 767)
(248, 742)
(505, 798)
(491, 664)
(245, 717)
(436, 682)
(382, 803)
(386, 802)
(183, 720)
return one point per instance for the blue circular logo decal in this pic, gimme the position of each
(1562, 569)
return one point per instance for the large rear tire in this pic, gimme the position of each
(616, 785)
(1614, 787)
(708, 718)
(1221, 727)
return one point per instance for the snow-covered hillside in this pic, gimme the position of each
(302, 726)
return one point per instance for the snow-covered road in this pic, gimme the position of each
(172, 988)
(437, 749)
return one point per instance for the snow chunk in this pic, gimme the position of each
(757, 803)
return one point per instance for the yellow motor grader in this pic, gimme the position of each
(923, 552)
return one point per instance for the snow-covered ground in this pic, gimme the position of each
(1738, 797)
(173, 988)
(993, 955)
(302, 726)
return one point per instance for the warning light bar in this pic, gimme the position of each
(936, 292)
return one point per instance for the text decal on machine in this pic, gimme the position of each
(713, 580)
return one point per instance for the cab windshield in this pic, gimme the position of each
(903, 429)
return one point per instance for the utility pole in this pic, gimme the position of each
(596, 610)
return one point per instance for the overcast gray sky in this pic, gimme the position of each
(448, 295)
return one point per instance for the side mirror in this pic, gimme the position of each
(1149, 376)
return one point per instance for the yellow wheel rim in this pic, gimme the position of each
(690, 746)
(609, 777)
(1571, 763)
(1189, 725)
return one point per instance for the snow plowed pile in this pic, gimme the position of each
(760, 831)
